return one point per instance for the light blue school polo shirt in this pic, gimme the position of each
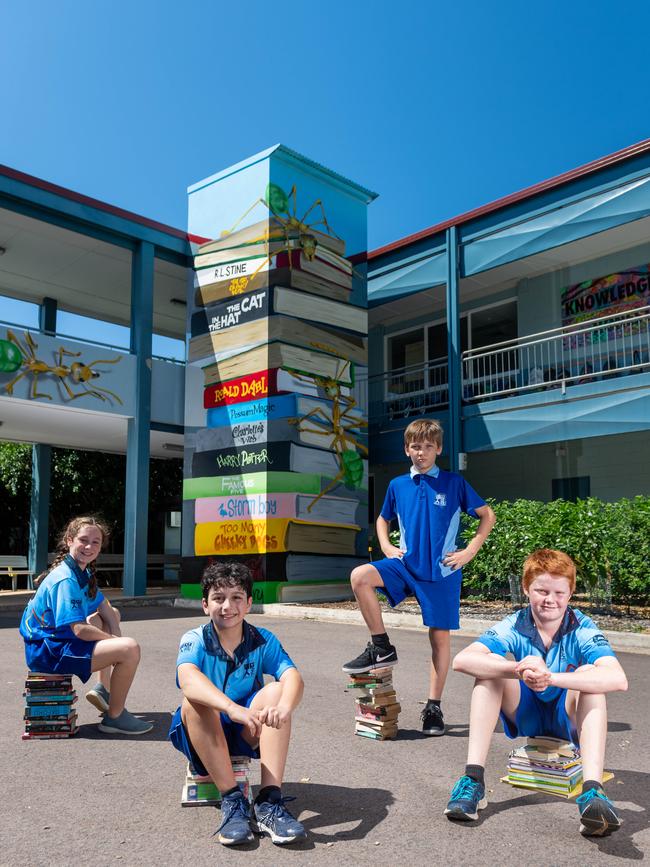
(578, 641)
(428, 509)
(241, 675)
(61, 599)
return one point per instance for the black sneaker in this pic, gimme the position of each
(598, 818)
(433, 722)
(372, 657)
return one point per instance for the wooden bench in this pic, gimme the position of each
(12, 566)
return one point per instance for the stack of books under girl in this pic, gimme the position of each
(49, 700)
(547, 765)
(376, 705)
(200, 791)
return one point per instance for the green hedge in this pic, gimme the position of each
(610, 543)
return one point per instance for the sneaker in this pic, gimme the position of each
(98, 696)
(272, 818)
(124, 724)
(598, 818)
(235, 828)
(467, 798)
(433, 722)
(372, 657)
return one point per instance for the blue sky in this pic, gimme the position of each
(437, 107)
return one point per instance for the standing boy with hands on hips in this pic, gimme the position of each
(427, 503)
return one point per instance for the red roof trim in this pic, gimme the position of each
(558, 180)
(96, 203)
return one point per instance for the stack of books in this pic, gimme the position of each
(49, 712)
(276, 445)
(546, 765)
(200, 791)
(376, 705)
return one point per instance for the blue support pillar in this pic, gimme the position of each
(41, 470)
(136, 510)
(453, 435)
(40, 508)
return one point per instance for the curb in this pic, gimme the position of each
(630, 642)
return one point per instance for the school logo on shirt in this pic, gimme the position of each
(441, 500)
(186, 645)
(75, 603)
(248, 668)
(599, 640)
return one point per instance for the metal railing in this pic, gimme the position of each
(574, 354)
(596, 349)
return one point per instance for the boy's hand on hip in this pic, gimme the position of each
(457, 559)
(392, 553)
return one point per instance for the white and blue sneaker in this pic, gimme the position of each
(99, 697)
(235, 827)
(124, 724)
(598, 818)
(467, 798)
(272, 818)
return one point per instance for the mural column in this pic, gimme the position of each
(41, 470)
(276, 451)
(453, 436)
(136, 511)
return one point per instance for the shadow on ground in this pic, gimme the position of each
(630, 792)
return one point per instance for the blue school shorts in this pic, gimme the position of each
(537, 718)
(439, 600)
(237, 746)
(61, 656)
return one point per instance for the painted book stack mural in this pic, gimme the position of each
(276, 470)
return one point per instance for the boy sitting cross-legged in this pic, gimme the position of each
(227, 710)
(555, 686)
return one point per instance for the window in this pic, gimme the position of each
(406, 355)
(575, 488)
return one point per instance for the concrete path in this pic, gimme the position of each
(96, 800)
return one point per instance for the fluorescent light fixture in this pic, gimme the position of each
(173, 447)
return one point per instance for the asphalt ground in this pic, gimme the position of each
(98, 799)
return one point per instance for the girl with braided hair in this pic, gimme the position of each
(70, 628)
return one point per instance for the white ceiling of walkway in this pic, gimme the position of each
(74, 428)
(84, 275)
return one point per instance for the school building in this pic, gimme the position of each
(522, 325)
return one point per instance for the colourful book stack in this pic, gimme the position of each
(547, 765)
(49, 712)
(200, 791)
(376, 706)
(276, 449)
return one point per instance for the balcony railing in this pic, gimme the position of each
(597, 349)
(575, 354)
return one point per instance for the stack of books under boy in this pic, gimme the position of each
(49, 712)
(546, 765)
(376, 707)
(200, 791)
(275, 464)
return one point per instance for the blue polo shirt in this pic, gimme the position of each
(428, 509)
(577, 642)
(61, 599)
(239, 676)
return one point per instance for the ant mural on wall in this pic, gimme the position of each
(17, 355)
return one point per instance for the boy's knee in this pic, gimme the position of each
(359, 577)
